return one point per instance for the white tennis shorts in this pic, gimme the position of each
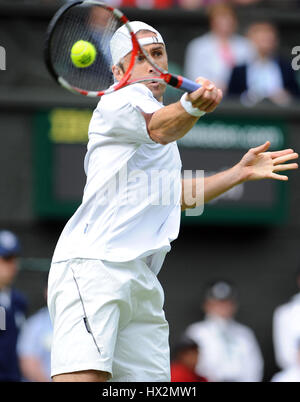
(108, 316)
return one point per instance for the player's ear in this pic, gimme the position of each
(117, 72)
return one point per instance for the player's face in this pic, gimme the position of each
(8, 270)
(143, 68)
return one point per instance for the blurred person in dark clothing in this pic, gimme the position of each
(13, 304)
(267, 76)
(183, 366)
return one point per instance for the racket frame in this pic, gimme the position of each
(164, 76)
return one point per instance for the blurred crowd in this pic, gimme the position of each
(186, 4)
(217, 348)
(248, 67)
(25, 342)
(248, 62)
(220, 349)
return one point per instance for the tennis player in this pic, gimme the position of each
(105, 300)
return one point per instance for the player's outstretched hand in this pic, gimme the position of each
(258, 164)
(206, 98)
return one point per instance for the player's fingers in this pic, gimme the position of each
(276, 154)
(278, 177)
(195, 96)
(289, 166)
(220, 96)
(261, 148)
(206, 98)
(210, 96)
(209, 85)
(210, 104)
(285, 158)
(205, 105)
(217, 101)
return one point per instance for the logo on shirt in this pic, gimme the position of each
(296, 59)
(2, 58)
(2, 319)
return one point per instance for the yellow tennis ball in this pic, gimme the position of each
(83, 54)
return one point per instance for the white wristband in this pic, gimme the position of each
(188, 107)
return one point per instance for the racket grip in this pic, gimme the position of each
(188, 85)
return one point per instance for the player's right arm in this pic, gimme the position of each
(172, 122)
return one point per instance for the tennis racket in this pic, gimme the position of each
(96, 22)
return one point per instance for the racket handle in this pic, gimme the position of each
(188, 85)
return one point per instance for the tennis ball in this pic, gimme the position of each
(83, 54)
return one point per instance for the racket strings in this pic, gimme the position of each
(110, 29)
(94, 24)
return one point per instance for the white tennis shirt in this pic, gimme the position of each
(131, 201)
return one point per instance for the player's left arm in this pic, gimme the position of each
(256, 164)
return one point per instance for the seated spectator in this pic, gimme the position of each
(214, 54)
(229, 350)
(267, 76)
(186, 355)
(34, 346)
(13, 303)
(291, 373)
(286, 330)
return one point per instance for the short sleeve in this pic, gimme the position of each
(119, 116)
